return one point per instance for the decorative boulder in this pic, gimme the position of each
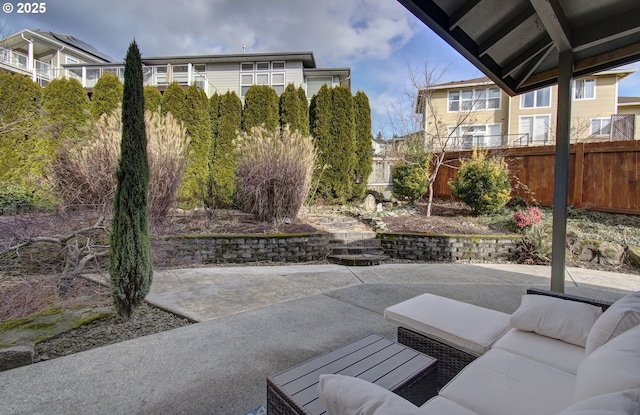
(370, 203)
(633, 256)
(601, 252)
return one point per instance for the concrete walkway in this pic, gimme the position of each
(255, 322)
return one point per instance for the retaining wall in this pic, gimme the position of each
(449, 248)
(225, 249)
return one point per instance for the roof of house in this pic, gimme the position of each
(629, 100)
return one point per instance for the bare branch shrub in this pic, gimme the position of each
(86, 174)
(274, 172)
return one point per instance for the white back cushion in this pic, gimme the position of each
(617, 403)
(613, 367)
(620, 317)
(565, 320)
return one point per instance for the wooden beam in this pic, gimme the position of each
(526, 56)
(458, 15)
(503, 31)
(534, 65)
(612, 28)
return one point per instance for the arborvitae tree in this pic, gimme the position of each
(66, 110)
(320, 115)
(260, 108)
(364, 153)
(343, 145)
(304, 111)
(152, 99)
(173, 100)
(19, 128)
(106, 96)
(130, 262)
(229, 120)
(291, 109)
(196, 118)
(214, 113)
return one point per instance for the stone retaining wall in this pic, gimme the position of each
(226, 249)
(448, 248)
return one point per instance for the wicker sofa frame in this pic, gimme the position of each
(452, 360)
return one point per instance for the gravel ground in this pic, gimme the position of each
(145, 320)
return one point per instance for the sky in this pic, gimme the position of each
(379, 40)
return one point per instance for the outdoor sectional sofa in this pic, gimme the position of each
(556, 354)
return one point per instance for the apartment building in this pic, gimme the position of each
(46, 55)
(476, 112)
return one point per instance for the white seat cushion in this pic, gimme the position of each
(443, 406)
(620, 317)
(467, 327)
(503, 383)
(613, 367)
(618, 403)
(543, 349)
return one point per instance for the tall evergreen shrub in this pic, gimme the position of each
(223, 160)
(260, 108)
(364, 152)
(130, 262)
(66, 110)
(304, 111)
(152, 99)
(173, 100)
(106, 96)
(320, 116)
(343, 146)
(291, 109)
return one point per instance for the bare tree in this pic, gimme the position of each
(418, 115)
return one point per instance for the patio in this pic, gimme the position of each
(283, 316)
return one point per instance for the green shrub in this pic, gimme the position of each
(152, 99)
(107, 95)
(304, 111)
(291, 108)
(13, 198)
(173, 100)
(274, 172)
(66, 109)
(364, 153)
(482, 183)
(409, 181)
(260, 108)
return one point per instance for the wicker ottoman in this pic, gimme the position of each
(386, 363)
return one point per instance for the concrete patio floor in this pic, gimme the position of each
(257, 321)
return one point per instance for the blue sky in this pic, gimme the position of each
(378, 39)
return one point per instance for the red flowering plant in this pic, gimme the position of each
(525, 218)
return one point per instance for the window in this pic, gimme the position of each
(277, 82)
(540, 98)
(277, 66)
(246, 80)
(584, 89)
(474, 99)
(468, 136)
(246, 67)
(314, 84)
(73, 73)
(262, 79)
(262, 66)
(601, 126)
(200, 67)
(535, 128)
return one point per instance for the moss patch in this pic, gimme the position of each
(91, 318)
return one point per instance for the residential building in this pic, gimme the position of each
(45, 56)
(476, 112)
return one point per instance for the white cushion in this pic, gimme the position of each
(443, 406)
(613, 367)
(467, 327)
(620, 317)
(344, 395)
(543, 349)
(618, 403)
(569, 321)
(503, 383)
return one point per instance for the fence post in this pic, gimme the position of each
(578, 175)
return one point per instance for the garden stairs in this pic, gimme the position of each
(352, 242)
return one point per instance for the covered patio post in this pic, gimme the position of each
(561, 174)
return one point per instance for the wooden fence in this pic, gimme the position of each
(603, 176)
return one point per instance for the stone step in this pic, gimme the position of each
(357, 250)
(357, 260)
(353, 237)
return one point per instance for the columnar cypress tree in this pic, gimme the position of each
(222, 154)
(291, 109)
(196, 118)
(364, 153)
(320, 115)
(130, 263)
(107, 95)
(152, 99)
(343, 145)
(260, 108)
(304, 111)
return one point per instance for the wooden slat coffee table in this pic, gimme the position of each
(395, 367)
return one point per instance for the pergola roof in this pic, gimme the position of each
(517, 43)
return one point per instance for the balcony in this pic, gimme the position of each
(156, 75)
(13, 61)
